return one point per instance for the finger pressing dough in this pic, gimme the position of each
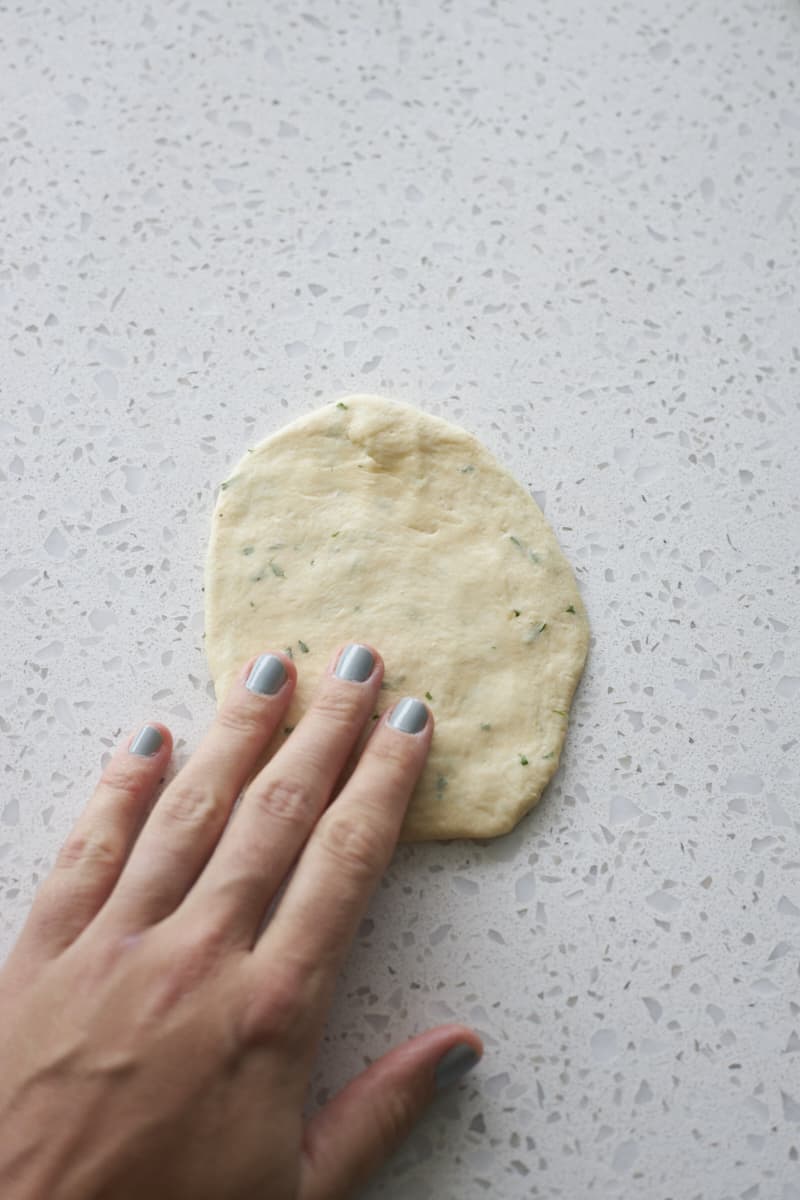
(372, 521)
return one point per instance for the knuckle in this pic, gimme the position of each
(186, 804)
(395, 754)
(358, 847)
(394, 1118)
(123, 779)
(275, 1012)
(339, 705)
(96, 848)
(288, 800)
(241, 717)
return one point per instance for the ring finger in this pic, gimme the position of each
(187, 823)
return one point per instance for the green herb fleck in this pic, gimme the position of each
(302, 646)
(570, 609)
(550, 755)
(542, 627)
(560, 712)
(248, 550)
(223, 487)
(375, 716)
(523, 760)
(288, 651)
(516, 611)
(338, 531)
(486, 727)
(276, 570)
(287, 729)
(428, 696)
(468, 470)
(341, 404)
(441, 785)
(516, 541)
(533, 556)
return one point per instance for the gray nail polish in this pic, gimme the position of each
(355, 663)
(454, 1064)
(409, 716)
(147, 742)
(268, 675)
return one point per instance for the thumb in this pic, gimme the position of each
(356, 1131)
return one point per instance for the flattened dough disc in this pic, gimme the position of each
(372, 521)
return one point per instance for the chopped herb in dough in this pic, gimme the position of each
(276, 570)
(523, 760)
(523, 549)
(341, 404)
(571, 608)
(248, 550)
(428, 696)
(303, 646)
(486, 726)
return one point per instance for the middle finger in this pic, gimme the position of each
(284, 801)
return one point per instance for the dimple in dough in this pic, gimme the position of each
(372, 521)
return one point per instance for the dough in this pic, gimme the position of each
(372, 521)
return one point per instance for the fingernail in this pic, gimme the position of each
(267, 676)
(409, 716)
(355, 664)
(147, 742)
(454, 1064)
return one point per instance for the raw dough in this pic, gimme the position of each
(372, 521)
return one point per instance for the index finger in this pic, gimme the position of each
(347, 853)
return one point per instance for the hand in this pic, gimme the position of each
(153, 1040)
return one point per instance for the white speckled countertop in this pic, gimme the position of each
(571, 227)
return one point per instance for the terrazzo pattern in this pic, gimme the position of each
(572, 228)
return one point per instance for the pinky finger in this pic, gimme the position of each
(92, 858)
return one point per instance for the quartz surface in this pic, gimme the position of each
(572, 228)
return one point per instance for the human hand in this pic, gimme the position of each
(153, 1040)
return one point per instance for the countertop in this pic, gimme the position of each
(572, 228)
